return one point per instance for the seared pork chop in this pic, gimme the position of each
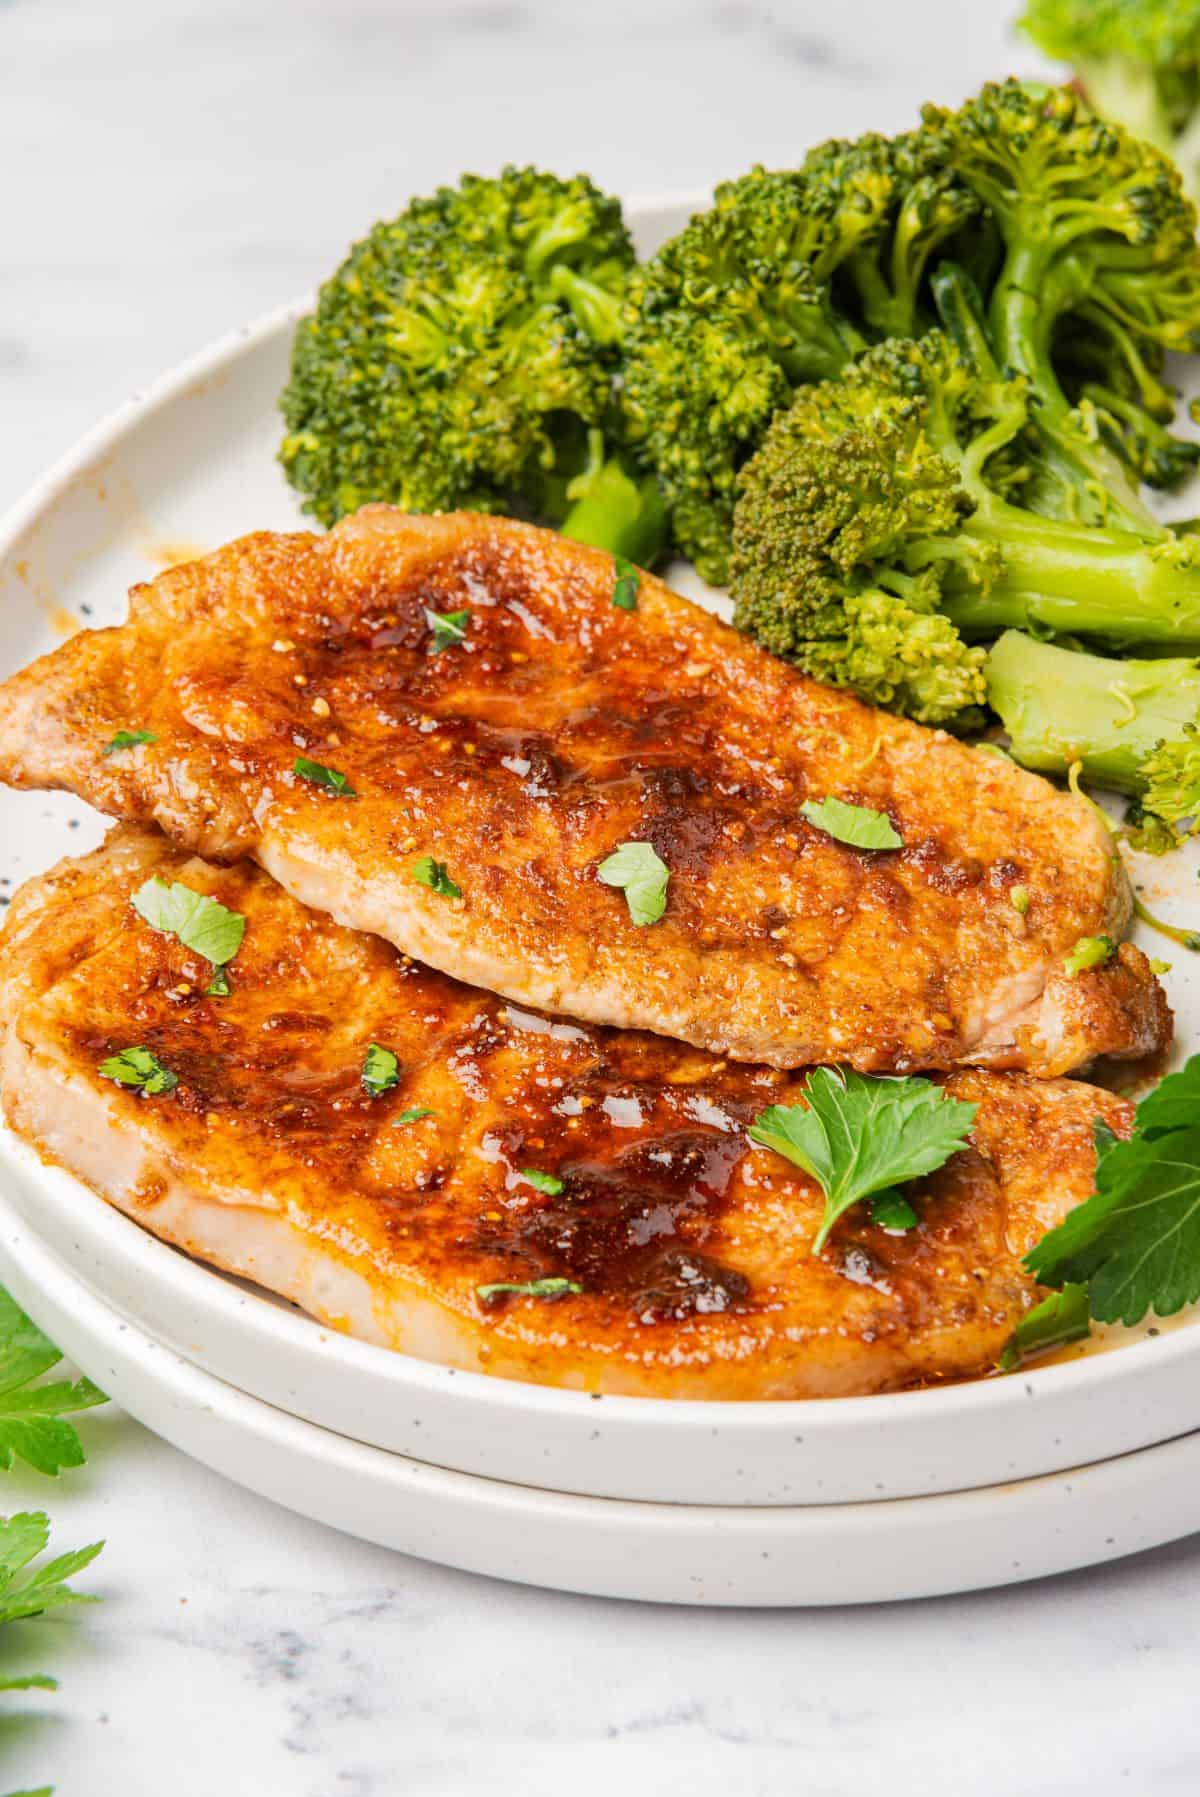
(510, 1149)
(505, 754)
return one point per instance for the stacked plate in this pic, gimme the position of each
(767, 1504)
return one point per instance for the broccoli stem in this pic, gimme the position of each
(1022, 320)
(1069, 578)
(618, 511)
(1061, 707)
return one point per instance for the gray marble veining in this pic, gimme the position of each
(172, 168)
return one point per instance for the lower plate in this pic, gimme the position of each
(663, 1553)
(830, 1451)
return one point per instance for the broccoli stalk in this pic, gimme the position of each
(1098, 238)
(615, 509)
(464, 356)
(881, 497)
(1125, 724)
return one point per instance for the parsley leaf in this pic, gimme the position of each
(858, 1136)
(199, 922)
(26, 1589)
(543, 1182)
(1136, 1241)
(448, 628)
(380, 1070)
(857, 825)
(892, 1212)
(535, 1288)
(128, 739)
(218, 986)
(31, 1416)
(625, 588)
(415, 1114)
(635, 867)
(431, 873)
(139, 1068)
(328, 778)
(1062, 1317)
(1089, 951)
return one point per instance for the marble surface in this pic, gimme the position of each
(173, 167)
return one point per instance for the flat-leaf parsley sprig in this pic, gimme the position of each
(1135, 1243)
(32, 1415)
(33, 1429)
(859, 1137)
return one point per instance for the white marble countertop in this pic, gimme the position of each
(172, 168)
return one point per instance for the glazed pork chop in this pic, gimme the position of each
(458, 701)
(510, 1149)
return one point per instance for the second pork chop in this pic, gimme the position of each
(439, 729)
(398, 1198)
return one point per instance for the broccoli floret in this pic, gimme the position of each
(880, 484)
(785, 279)
(1138, 61)
(463, 356)
(1100, 242)
(916, 208)
(721, 324)
(1128, 725)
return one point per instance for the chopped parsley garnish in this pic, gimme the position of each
(199, 922)
(415, 1113)
(1135, 1242)
(860, 1137)
(218, 986)
(128, 739)
(543, 1182)
(625, 587)
(534, 1288)
(141, 1070)
(380, 1070)
(448, 628)
(1061, 1318)
(856, 825)
(1018, 898)
(330, 779)
(1089, 951)
(892, 1212)
(431, 873)
(635, 867)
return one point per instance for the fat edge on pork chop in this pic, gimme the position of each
(500, 1147)
(438, 729)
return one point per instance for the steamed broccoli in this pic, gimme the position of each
(1138, 61)
(878, 500)
(1129, 725)
(782, 282)
(1101, 269)
(463, 356)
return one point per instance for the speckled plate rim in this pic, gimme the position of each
(648, 1449)
(708, 1555)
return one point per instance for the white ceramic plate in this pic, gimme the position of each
(835, 1451)
(660, 1553)
(179, 471)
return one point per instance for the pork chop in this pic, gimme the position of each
(307, 709)
(511, 1149)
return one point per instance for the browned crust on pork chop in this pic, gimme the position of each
(693, 1247)
(559, 728)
